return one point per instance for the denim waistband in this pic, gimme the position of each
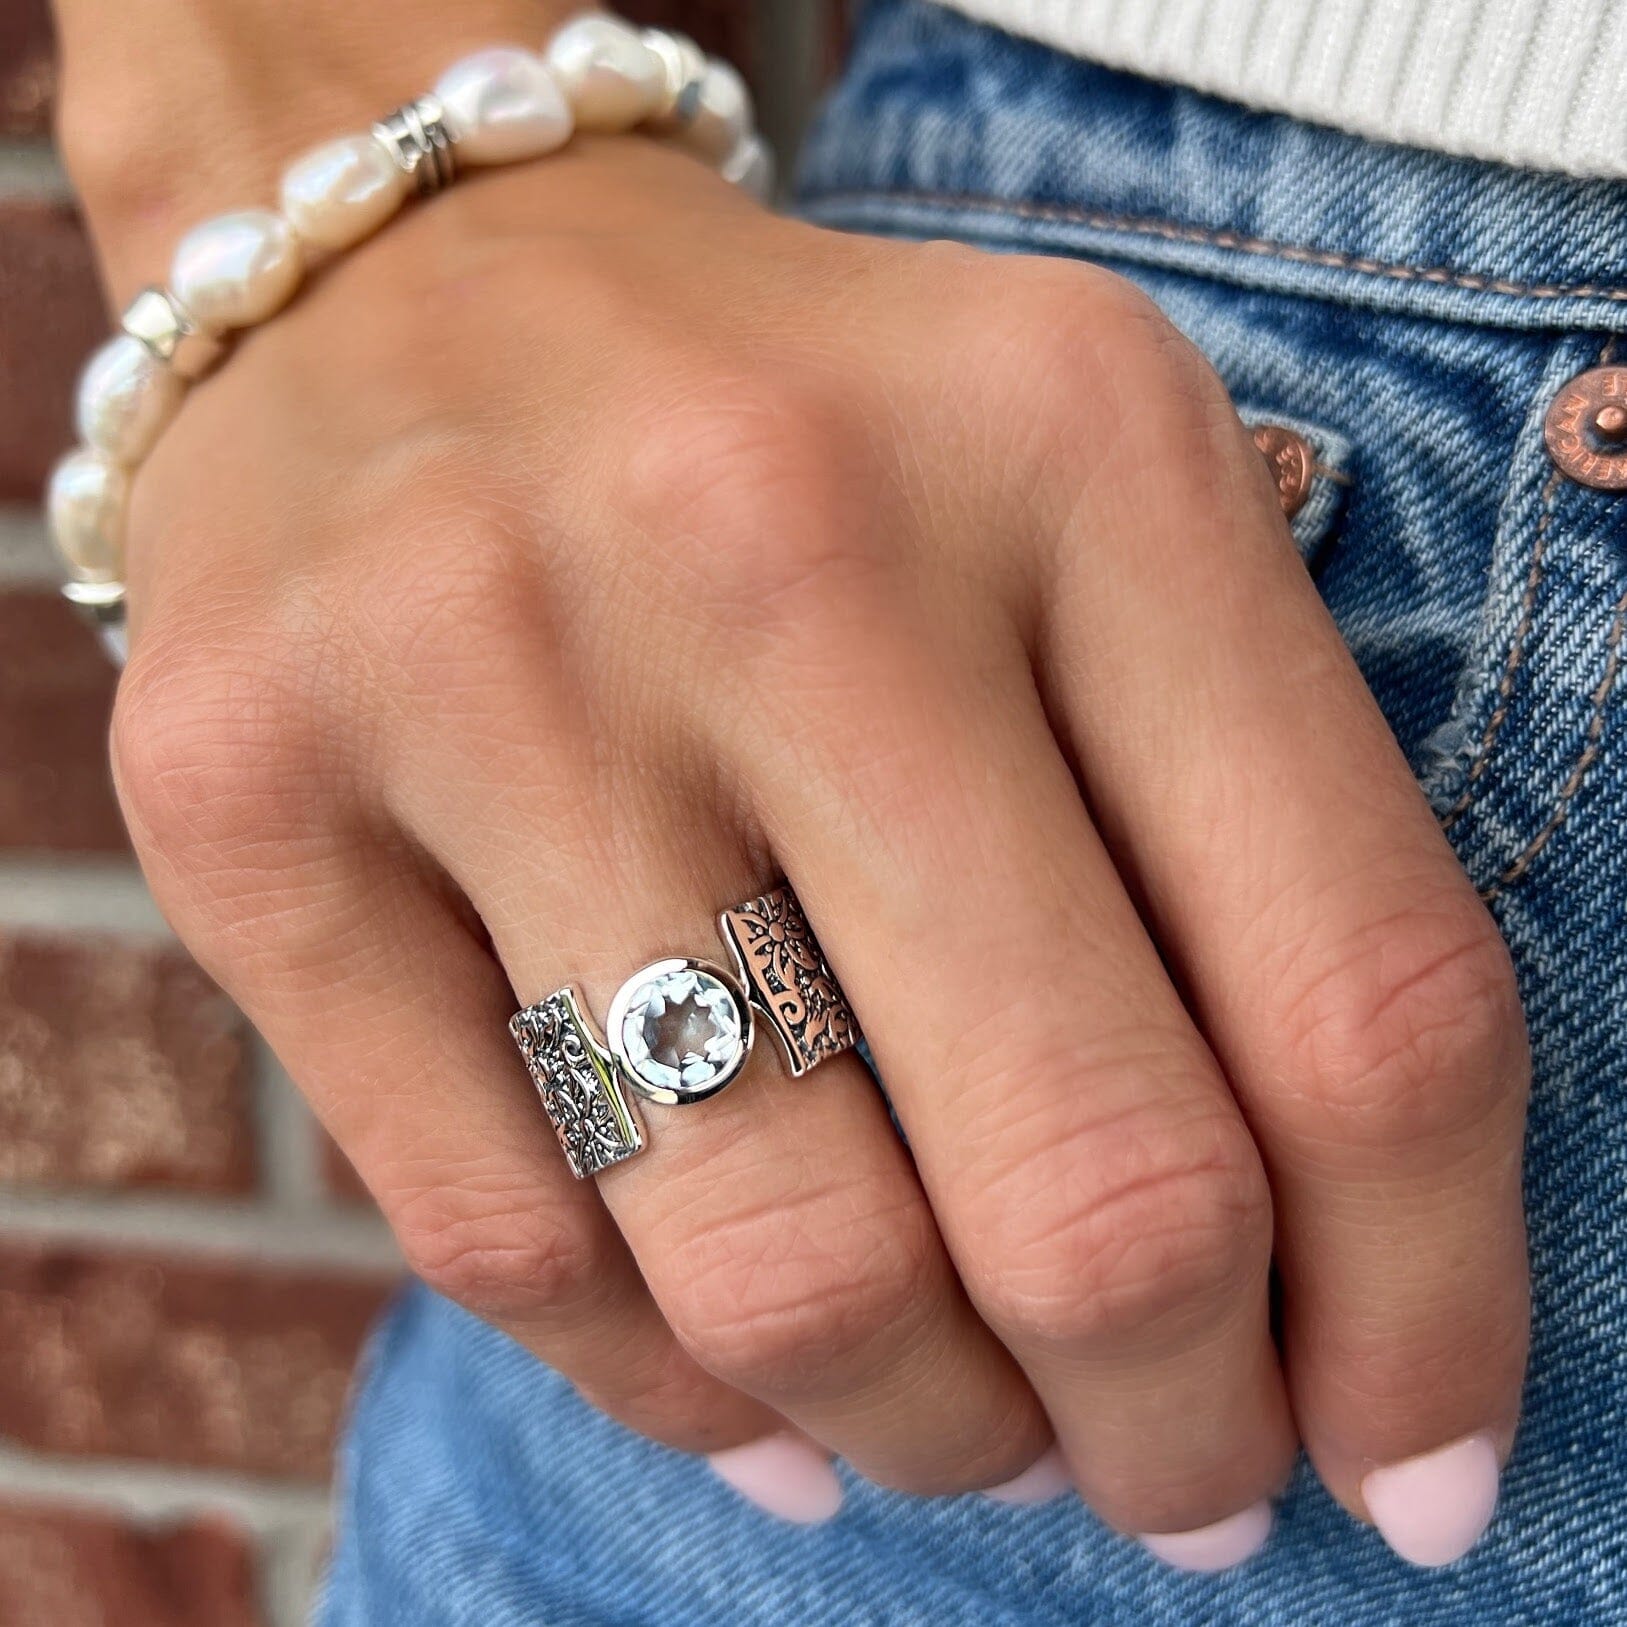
(945, 126)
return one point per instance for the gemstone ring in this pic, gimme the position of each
(679, 1031)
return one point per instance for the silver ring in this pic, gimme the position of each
(679, 1030)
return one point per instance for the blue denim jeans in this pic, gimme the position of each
(1413, 317)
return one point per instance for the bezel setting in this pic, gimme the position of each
(661, 1082)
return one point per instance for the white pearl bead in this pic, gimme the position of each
(612, 79)
(86, 502)
(751, 167)
(343, 191)
(126, 397)
(503, 105)
(237, 269)
(722, 116)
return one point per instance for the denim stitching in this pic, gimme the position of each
(1171, 231)
(1594, 731)
(1584, 762)
(1516, 655)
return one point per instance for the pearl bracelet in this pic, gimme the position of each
(499, 106)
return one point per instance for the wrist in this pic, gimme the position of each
(229, 90)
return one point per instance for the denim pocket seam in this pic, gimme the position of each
(1478, 282)
(1593, 730)
(1580, 768)
(1516, 657)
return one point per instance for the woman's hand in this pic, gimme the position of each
(593, 546)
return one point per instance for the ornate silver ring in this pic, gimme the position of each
(678, 1030)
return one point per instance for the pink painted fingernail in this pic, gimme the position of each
(1214, 1547)
(783, 1475)
(1434, 1508)
(1043, 1479)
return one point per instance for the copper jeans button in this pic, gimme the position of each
(1586, 429)
(1292, 462)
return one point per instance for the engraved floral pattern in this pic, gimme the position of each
(595, 1123)
(790, 977)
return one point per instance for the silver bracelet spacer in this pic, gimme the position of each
(683, 67)
(416, 138)
(159, 321)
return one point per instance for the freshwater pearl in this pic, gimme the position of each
(126, 397)
(503, 105)
(237, 269)
(343, 191)
(722, 114)
(86, 502)
(751, 167)
(612, 79)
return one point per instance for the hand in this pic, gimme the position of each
(591, 547)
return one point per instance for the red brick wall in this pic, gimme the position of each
(186, 1269)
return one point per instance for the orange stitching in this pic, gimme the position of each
(1146, 226)
(1516, 656)
(1579, 770)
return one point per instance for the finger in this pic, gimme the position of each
(780, 1226)
(391, 1015)
(1353, 985)
(1090, 1172)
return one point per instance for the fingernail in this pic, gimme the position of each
(1045, 1478)
(784, 1476)
(1434, 1508)
(1214, 1547)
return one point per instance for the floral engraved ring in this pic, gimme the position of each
(679, 1031)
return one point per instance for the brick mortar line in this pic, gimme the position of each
(27, 559)
(290, 1570)
(347, 1240)
(287, 1136)
(69, 895)
(287, 1525)
(152, 1494)
(30, 169)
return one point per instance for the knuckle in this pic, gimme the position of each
(747, 487)
(1120, 1227)
(212, 749)
(1412, 1030)
(458, 575)
(776, 1308)
(1122, 361)
(1123, 390)
(500, 1256)
(1173, 415)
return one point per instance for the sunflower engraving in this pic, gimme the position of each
(784, 960)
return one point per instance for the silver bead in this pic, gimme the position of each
(751, 167)
(102, 605)
(99, 602)
(157, 319)
(683, 67)
(100, 597)
(416, 138)
(722, 116)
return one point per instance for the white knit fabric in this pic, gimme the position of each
(1542, 83)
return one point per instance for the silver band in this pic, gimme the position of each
(683, 67)
(416, 137)
(679, 1031)
(102, 602)
(157, 319)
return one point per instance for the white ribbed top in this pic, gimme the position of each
(1542, 83)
